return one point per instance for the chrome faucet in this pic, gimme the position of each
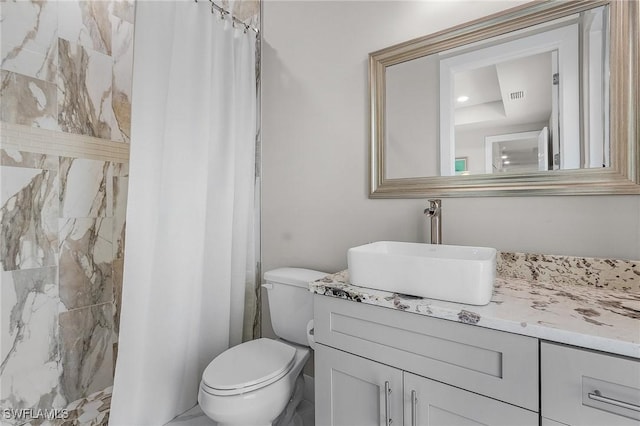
(434, 212)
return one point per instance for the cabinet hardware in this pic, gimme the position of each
(597, 396)
(414, 402)
(387, 392)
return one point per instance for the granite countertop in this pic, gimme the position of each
(603, 319)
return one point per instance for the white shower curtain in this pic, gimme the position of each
(190, 248)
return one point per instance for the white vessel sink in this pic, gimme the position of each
(455, 273)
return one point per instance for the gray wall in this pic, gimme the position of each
(411, 146)
(315, 149)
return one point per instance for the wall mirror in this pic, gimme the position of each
(541, 99)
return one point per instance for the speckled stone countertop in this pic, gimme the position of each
(603, 318)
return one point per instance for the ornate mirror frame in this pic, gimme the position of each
(622, 177)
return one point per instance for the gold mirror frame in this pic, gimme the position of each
(623, 177)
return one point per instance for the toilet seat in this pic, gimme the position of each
(248, 366)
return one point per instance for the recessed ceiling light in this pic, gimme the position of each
(506, 162)
(504, 157)
(462, 98)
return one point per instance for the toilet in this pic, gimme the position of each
(260, 382)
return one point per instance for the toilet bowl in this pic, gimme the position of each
(260, 393)
(260, 381)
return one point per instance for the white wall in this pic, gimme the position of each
(315, 149)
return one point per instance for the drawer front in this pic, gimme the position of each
(582, 387)
(497, 364)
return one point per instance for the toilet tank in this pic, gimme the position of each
(291, 302)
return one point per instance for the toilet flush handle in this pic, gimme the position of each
(268, 286)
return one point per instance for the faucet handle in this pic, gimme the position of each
(434, 207)
(434, 212)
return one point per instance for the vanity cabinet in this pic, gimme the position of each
(583, 387)
(374, 364)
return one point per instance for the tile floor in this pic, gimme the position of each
(94, 411)
(195, 416)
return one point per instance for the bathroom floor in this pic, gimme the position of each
(195, 416)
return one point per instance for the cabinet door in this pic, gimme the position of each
(430, 403)
(354, 391)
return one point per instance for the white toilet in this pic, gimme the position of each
(259, 383)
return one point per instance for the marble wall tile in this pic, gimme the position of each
(86, 188)
(65, 66)
(123, 9)
(122, 79)
(28, 218)
(33, 160)
(248, 11)
(120, 169)
(86, 23)
(29, 38)
(84, 90)
(86, 350)
(118, 269)
(28, 101)
(120, 194)
(85, 257)
(31, 369)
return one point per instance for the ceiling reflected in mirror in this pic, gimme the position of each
(506, 94)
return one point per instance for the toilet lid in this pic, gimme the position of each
(249, 364)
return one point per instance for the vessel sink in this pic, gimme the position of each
(454, 273)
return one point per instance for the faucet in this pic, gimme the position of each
(434, 212)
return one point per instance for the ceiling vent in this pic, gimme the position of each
(514, 96)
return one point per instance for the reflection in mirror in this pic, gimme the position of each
(411, 118)
(526, 82)
(541, 99)
(486, 110)
(517, 152)
(523, 81)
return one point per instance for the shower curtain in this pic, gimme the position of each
(190, 249)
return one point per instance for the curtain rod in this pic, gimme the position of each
(224, 12)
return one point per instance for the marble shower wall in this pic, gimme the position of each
(66, 66)
(66, 102)
(63, 225)
(248, 11)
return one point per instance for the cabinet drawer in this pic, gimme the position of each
(497, 364)
(582, 387)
